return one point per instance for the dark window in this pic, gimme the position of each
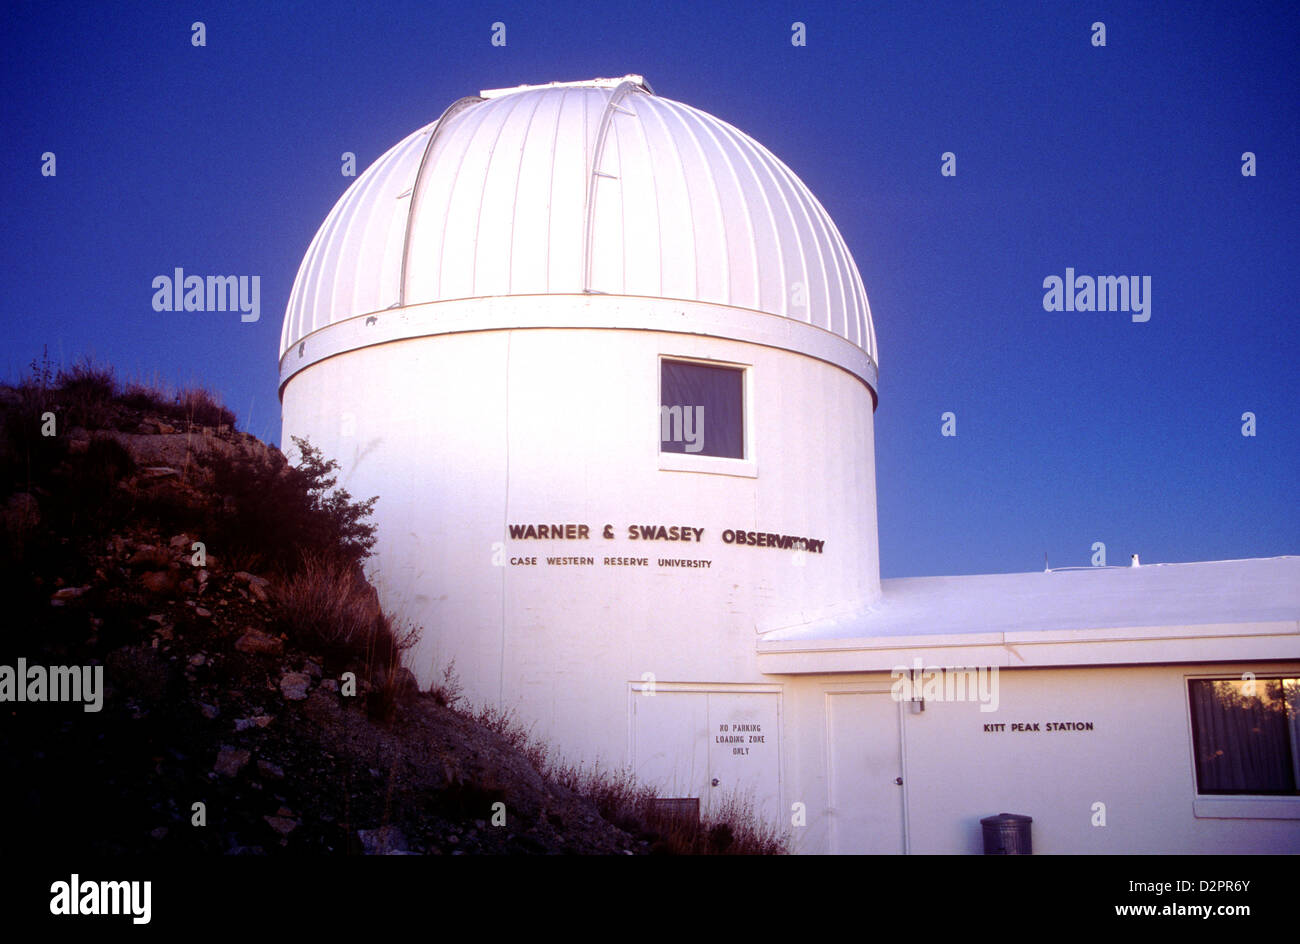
(702, 410)
(1246, 734)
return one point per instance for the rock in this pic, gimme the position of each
(209, 711)
(62, 596)
(281, 824)
(268, 769)
(78, 440)
(198, 659)
(257, 586)
(150, 558)
(161, 582)
(231, 761)
(159, 833)
(312, 669)
(257, 721)
(256, 642)
(330, 685)
(180, 541)
(200, 611)
(294, 685)
(155, 472)
(386, 840)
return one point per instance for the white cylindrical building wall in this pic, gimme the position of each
(464, 435)
(477, 335)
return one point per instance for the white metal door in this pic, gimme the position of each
(743, 763)
(717, 746)
(866, 795)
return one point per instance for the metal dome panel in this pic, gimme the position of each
(596, 187)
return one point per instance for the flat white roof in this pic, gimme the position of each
(1087, 615)
(1240, 591)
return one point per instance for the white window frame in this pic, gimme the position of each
(716, 465)
(1233, 806)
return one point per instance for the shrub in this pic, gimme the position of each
(200, 406)
(28, 455)
(86, 493)
(280, 514)
(86, 392)
(328, 606)
(326, 603)
(448, 692)
(147, 397)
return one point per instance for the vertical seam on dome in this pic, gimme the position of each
(622, 202)
(550, 190)
(442, 244)
(319, 263)
(368, 189)
(803, 250)
(658, 204)
(690, 205)
(435, 132)
(717, 202)
(736, 137)
(296, 294)
(752, 244)
(482, 194)
(514, 214)
(597, 150)
(839, 254)
(860, 307)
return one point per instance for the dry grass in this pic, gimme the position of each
(202, 407)
(196, 405)
(448, 692)
(325, 603)
(86, 393)
(732, 825)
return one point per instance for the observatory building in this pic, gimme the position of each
(611, 369)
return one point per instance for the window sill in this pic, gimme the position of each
(1246, 807)
(681, 462)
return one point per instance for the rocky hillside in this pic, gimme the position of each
(229, 720)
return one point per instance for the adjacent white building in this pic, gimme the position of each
(611, 369)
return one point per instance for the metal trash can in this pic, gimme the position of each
(1007, 834)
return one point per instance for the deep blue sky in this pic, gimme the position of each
(1073, 427)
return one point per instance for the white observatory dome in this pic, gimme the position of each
(502, 329)
(579, 188)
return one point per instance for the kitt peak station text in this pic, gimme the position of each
(661, 532)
